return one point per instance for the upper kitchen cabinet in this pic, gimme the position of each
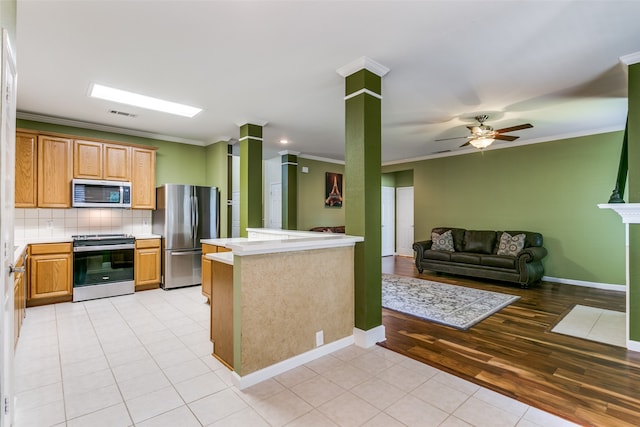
(98, 160)
(47, 162)
(116, 162)
(55, 171)
(26, 179)
(143, 178)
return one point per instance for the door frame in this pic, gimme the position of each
(7, 194)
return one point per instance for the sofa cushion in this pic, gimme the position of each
(442, 242)
(457, 233)
(465, 258)
(437, 255)
(499, 261)
(482, 242)
(510, 245)
(531, 239)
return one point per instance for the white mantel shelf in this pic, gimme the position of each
(629, 212)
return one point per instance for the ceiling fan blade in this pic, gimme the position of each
(515, 128)
(506, 137)
(465, 144)
(448, 139)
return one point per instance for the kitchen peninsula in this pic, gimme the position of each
(280, 299)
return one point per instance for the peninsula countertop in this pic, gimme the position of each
(283, 241)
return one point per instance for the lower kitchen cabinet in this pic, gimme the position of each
(206, 267)
(222, 312)
(19, 297)
(50, 273)
(147, 264)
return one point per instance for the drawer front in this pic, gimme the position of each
(208, 249)
(147, 243)
(49, 248)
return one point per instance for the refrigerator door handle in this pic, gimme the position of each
(197, 220)
(191, 218)
(184, 253)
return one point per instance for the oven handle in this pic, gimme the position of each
(103, 248)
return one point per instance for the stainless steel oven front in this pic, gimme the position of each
(102, 266)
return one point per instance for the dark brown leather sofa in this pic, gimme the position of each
(475, 253)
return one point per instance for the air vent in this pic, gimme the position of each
(121, 113)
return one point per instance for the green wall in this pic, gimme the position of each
(552, 188)
(311, 190)
(217, 175)
(175, 163)
(8, 20)
(398, 179)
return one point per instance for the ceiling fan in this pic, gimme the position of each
(483, 135)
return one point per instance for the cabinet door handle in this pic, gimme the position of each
(13, 269)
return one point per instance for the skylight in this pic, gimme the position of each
(142, 101)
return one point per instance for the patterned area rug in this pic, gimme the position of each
(450, 305)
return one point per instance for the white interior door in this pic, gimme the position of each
(404, 221)
(7, 177)
(388, 221)
(275, 205)
(235, 196)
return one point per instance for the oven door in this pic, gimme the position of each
(101, 271)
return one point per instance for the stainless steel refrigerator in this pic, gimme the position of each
(185, 214)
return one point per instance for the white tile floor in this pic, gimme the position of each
(145, 360)
(595, 324)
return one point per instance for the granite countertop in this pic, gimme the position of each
(21, 246)
(224, 257)
(292, 240)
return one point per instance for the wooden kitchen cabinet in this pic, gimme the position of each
(50, 273)
(143, 178)
(47, 162)
(206, 267)
(222, 312)
(147, 264)
(116, 162)
(55, 171)
(99, 160)
(19, 297)
(26, 178)
(87, 159)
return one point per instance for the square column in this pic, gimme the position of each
(363, 143)
(633, 235)
(289, 190)
(250, 177)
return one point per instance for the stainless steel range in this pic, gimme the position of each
(102, 266)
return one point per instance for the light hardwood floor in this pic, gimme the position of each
(515, 353)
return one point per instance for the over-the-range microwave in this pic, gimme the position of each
(93, 193)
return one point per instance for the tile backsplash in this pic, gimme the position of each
(31, 224)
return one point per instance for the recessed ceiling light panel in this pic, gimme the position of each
(142, 101)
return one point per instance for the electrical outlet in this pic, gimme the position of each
(319, 338)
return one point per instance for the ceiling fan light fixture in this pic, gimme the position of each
(481, 142)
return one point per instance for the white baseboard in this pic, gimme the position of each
(607, 286)
(367, 339)
(633, 345)
(286, 365)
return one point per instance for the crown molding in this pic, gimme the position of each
(360, 63)
(105, 128)
(321, 159)
(285, 152)
(630, 59)
(241, 123)
(511, 145)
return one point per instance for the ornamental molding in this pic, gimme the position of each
(360, 63)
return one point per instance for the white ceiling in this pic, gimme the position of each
(554, 64)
